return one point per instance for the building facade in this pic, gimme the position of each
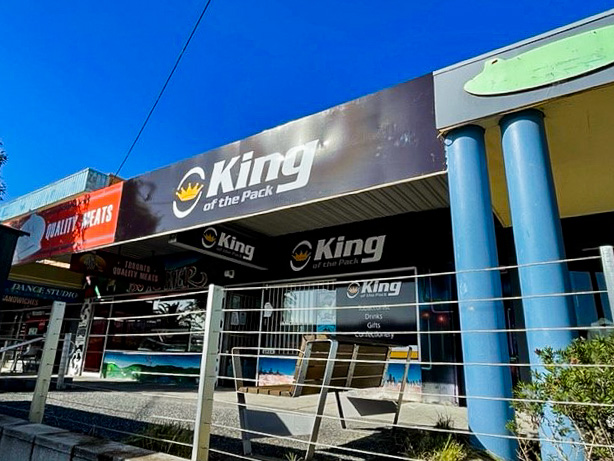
(502, 160)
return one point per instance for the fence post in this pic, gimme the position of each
(37, 407)
(64, 361)
(208, 373)
(607, 260)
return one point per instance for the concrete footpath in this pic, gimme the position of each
(117, 409)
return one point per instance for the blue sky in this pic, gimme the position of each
(78, 78)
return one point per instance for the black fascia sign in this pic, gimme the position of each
(223, 243)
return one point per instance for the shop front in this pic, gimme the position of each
(383, 219)
(26, 308)
(40, 271)
(248, 214)
(295, 216)
(354, 281)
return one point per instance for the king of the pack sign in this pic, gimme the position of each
(223, 243)
(337, 253)
(373, 141)
(382, 310)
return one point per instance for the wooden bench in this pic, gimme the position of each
(323, 364)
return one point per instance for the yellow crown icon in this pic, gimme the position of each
(353, 289)
(300, 256)
(190, 192)
(209, 237)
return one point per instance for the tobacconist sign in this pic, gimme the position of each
(381, 310)
(379, 139)
(222, 243)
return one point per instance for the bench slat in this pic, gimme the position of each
(280, 390)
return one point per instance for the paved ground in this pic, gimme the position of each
(114, 409)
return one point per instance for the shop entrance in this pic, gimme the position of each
(272, 320)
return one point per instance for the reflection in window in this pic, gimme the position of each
(181, 331)
(299, 306)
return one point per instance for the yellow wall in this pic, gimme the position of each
(580, 130)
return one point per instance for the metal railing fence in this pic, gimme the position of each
(339, 369)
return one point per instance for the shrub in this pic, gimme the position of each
(293, 457)
(168, 438)
(572, 382)
(440, 446)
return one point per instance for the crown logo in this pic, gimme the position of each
(300, 256)
(209, 237)
(353, 289)
(185, 194)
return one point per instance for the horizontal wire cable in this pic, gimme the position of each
(366, 307)
(106, 389)
(95, 426)
(373, 420)
(447, 431)
(72, 404)
(97, 388)
(153, 373)
(454, 396)
(101, 300)
(135, 294)
(371, 333)
(413, 276)
(152, 298)
(417, 332)
(316, 444)
(169, 418)
(345, 388)
(24, 322)
(151, 316)
(516, 399)
(189, 396)
(336, 388)
(309, 413)
(348, 419)
(105, 428)
(457, 364)
(387, 424)
(172, 333)
(234, 455)
(51, 397)
(233, 404)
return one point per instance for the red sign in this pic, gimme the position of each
(86, 222)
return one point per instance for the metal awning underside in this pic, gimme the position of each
(413, 196)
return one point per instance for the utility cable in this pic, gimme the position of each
(168, 79)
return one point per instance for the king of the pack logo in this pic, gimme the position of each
(244, 178)
(337, 252)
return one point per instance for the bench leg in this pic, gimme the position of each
(340, 409)
(328, 374)
(402, 390)
(242, 404)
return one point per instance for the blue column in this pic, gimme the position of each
(537, 238)
(537, 230)
(475, 248)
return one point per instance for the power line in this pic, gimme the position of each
(168, 79)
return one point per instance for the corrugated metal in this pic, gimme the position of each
(425, 194)
(420, 195)
(83, 181)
